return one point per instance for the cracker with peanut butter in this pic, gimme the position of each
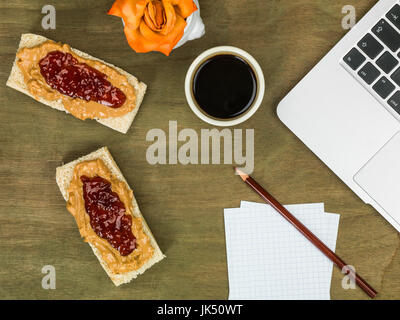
(108, 216)
(72, 81)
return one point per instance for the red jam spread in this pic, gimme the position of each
(107, 214)
(65, 74)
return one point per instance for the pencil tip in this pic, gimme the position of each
(241, 174)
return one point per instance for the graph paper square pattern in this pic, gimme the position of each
(269, 259)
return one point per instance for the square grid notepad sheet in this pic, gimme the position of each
(269, 259)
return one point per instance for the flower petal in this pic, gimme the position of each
(131, 11)
(137, 42)
(184, 7)
(170, 17)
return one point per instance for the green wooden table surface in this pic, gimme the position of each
(182, 204)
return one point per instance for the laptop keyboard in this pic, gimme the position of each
(375, 58)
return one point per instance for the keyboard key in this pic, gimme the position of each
(394, 102)
(387, 62)
(396, 76)
(354, 59)
(394, 16)
(383, 87)
(370, 46)
(387, 34)
(369, 73)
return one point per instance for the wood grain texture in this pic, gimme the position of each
(182, 204)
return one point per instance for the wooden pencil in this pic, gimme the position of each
(306, 232)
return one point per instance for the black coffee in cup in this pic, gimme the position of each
(224, 86)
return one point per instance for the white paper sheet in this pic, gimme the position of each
(269, 259)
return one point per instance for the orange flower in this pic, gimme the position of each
(153, 25)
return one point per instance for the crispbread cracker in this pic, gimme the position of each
(121, 124)
(64, 176)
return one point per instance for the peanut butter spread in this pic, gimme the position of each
(76, 206)
(28, 62)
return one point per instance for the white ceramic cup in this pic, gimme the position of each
(203, 58)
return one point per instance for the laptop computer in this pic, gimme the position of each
(347, 109)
